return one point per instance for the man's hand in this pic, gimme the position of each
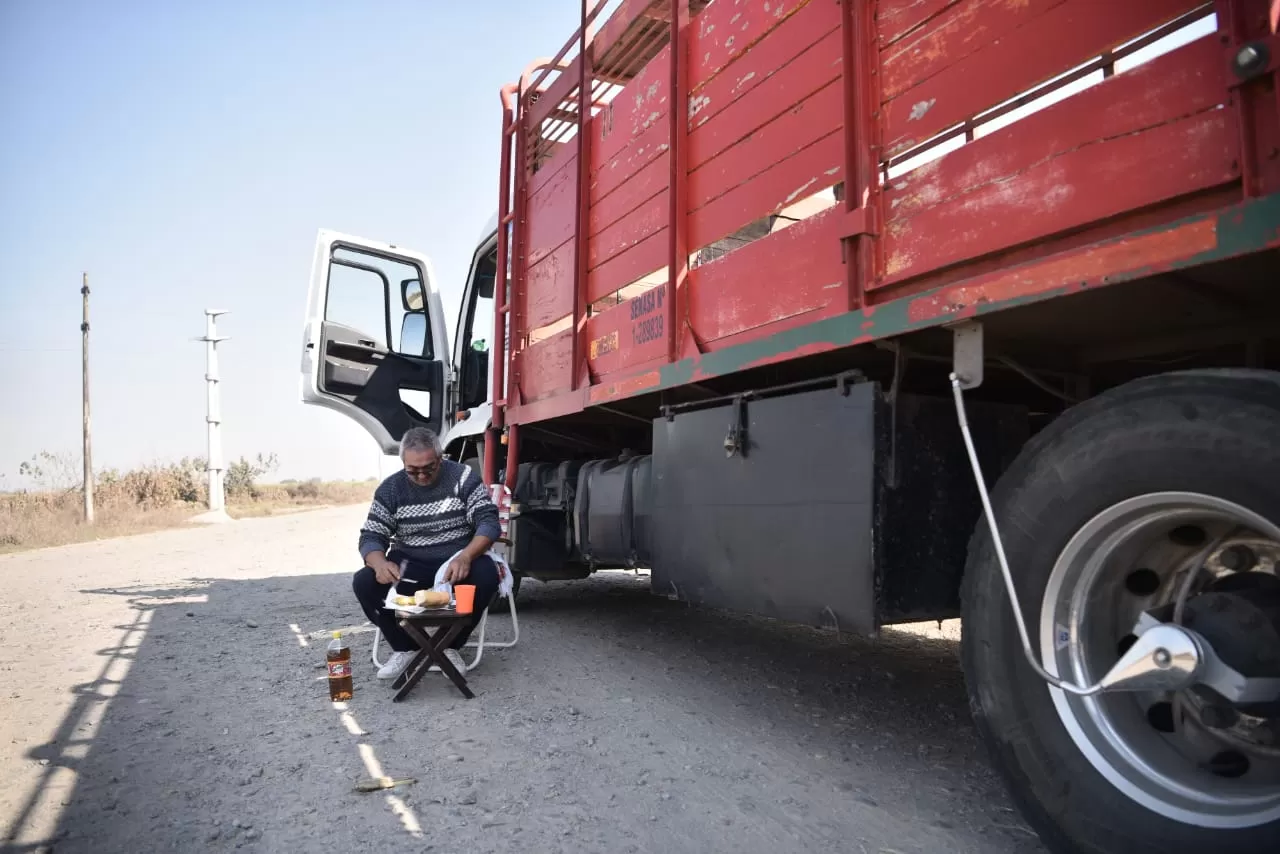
(386, 571)
(458, 569)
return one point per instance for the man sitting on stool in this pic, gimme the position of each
(421, 516)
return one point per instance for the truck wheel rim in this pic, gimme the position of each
(1158, 748)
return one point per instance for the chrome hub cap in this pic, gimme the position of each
(1189, 755)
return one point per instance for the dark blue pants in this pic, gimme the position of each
(372, 596)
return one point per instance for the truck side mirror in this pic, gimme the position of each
(411, 295)
(413, 334)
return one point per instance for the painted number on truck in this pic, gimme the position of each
(646, 324)
(647, 330)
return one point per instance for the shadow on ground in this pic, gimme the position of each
(622, 722)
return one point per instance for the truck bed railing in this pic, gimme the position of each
(789, 145)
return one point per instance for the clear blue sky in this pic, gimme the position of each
(184, 154)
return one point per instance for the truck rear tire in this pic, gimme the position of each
(1098, 516)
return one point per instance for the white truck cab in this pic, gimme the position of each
(376, 347)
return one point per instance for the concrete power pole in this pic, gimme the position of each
(88, 444)
(217, 504)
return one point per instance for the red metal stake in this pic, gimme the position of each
(513, 456)
(678, 113)
(502, 295)
(577, 362)
(861, 189)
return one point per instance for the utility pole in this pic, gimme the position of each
(88, 444)
(217, 504)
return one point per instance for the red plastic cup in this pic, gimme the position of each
(464, 598)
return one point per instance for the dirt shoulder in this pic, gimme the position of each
(164, 693)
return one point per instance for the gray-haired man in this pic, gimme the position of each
(420, 517)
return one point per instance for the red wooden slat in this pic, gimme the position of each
(647, 219)
(794, 271)
(786, 182)
(643, 186)
(551, 169)
(545, 366)
(1132, 255)
(981, 53)
(627, 334)
(1166, 242)
(896, 18)
(962, 30)
(1178, 84)
(783, 92)
(773, 59)
(549, 287)
(551, 213)
(607, 177)
(1076, 188)
(726, 29)
(799, 127)
(633, 113)
(626, 267)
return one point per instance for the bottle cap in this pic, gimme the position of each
(337, 634)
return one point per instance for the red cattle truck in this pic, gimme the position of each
(786, 285)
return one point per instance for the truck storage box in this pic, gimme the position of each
(759, 531)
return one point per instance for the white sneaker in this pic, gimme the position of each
(395, 665)
(455, 658)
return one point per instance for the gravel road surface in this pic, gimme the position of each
(166, 693)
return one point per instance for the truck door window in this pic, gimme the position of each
(366, 293)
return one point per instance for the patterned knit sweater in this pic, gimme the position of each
(429, 523)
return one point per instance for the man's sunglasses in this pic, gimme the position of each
(424, 473)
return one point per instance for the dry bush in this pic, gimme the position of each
(35, 520)
(306, 489)
(240, 479)
(146, 498)
(156, 485)
(302, 494)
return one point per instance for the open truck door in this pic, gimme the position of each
(375, 346)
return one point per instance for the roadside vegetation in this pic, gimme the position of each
(49, 511)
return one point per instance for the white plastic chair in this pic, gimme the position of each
(478, 644)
